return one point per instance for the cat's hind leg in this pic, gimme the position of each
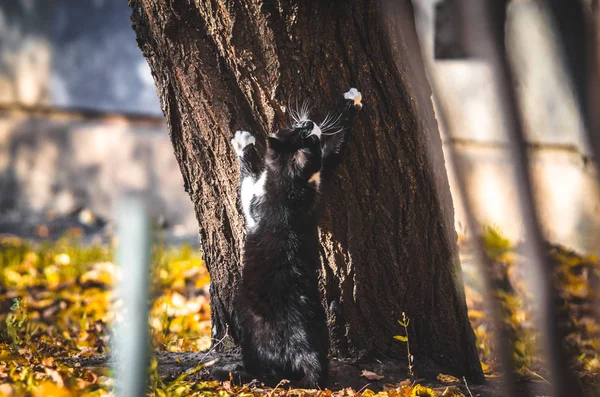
(237, 377)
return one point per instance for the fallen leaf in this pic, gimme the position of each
(485, 368)
(447, 378)
(6, 389)
(371, 375)
(422, 391)
(49, 389)
(452, 391)
(55, 376)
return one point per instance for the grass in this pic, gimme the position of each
(56, 299)
(574, 277)
(55, 302)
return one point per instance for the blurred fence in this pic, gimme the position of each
(564, 48)
(560, 156)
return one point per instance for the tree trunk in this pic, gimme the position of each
(388, 238)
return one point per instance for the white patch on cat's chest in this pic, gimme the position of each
(315, 178)
(250, 189)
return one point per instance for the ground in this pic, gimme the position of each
(55, 301)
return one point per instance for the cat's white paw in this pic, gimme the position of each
(241, 140)
(354, 95)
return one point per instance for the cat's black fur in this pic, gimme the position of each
(282, 321)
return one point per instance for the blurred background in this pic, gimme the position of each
(560, 157)
(80, 125)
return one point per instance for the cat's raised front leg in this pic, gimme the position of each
(353, 98)
(251, 180)
(244, 145)
(335, 144)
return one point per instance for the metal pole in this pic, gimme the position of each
(131, 348)
(489, 44)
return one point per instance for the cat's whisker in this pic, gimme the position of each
(330, 122)
(298, 109)
(299, 112)
(324, 125)
(304, 111)
(328, 127)
(333, 133)
(291, 111)
(294, 115)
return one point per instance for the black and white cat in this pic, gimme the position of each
(281, 318)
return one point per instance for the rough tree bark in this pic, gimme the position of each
(388, 237)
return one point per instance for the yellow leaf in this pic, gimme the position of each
(422, 391)
(485, 367)
(62, 259)
(181, 391)
(6, 390)
(476, 314)
(48, 361)
(447, 378)
(52, 276)
(49, 389)
(401, 338)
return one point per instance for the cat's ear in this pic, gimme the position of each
(274, 144)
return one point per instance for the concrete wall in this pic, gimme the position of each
(52, 164)
(68, 57)
(565, 178)
(25, 51)
(73, 54)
